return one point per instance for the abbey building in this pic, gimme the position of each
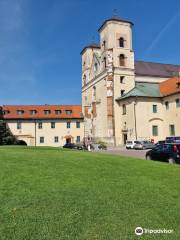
(123, 98)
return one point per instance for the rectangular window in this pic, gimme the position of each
(41, 139)
(121, 79)
(78, 139)
(155, 130)
(68, 125)
(154, 108)
(77, 124)
(40, 125)
(19, 126)
(124, 109)
(178, 103)
(172, 130)
(53, 124)
(56, 139)
(167, 105)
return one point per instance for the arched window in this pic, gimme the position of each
(121, 42)
(122, 60)
(105, 65)
(84, 79)
(94, 94)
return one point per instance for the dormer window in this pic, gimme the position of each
(57, 112)
(33, 112)
(121, 42)
(178, 84)
(122, 60)
(47, 112)
(20, 112)
(68, 112)
(5, 112)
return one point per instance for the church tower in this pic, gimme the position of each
(110, 70)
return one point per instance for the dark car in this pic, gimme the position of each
(70, 146)
(168, 152)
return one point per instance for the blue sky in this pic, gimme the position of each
(41, 40)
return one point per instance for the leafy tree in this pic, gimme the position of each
(6, 137)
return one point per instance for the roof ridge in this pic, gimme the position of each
(157, 63)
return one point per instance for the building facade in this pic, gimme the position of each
(109, 73)
(45, 125)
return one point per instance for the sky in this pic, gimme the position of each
(41, 41)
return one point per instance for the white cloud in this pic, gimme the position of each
(163, 32)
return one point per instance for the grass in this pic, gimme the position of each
(53, 194)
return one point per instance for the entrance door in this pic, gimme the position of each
(68, 140)
(124, 138)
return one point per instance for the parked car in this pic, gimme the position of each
(70, 146)
(160, 142)
(168, 152)
(173, 139)
(140, 145)
(130, 144)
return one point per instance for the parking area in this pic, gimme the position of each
(124, 152)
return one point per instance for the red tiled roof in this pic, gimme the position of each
(170, 86)
(12, 111)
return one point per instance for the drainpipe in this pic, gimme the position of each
(35, 131)
(135, 120)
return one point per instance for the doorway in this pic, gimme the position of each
(68, 140)
(124, 138)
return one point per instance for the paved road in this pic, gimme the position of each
(124, 152)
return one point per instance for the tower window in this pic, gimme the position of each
(104, 44)
(122, 60)
(124, 109)
(122, 92)
(84, 79)
(121, 79)
(95, 67)
(121, 42)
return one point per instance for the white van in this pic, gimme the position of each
(130, 144)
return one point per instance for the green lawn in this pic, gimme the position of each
(48, 193)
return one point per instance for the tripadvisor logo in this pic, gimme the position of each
(139, 231)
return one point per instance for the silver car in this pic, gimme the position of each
(140, 145)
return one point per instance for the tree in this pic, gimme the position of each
(6, 137)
